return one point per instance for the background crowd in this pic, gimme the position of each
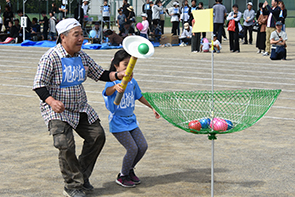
(239, 23)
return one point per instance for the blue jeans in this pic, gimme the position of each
(143, 35)
(278, 56)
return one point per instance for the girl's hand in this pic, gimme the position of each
(119, 88)
(157, 116)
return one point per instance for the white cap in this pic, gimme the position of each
(144, 15)
(65, 25)
(85, 0)
(250, 3)
(174, 3)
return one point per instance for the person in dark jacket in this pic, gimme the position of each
(45, 25)
(273, 16)
(29, 25)
(283, 14)
(146, 8)
(7, 16)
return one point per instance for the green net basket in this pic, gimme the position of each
(239, 109)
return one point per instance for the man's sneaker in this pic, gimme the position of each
(73, 192)
(125, 181)
(265, 54)
(259, 51)
(225, 39)
(87, 186)
(133, 177)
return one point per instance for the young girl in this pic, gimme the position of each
(122, 120)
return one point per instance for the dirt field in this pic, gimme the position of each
(255, 162)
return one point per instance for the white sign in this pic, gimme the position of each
(23, 22)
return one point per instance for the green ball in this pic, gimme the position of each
(143, 48)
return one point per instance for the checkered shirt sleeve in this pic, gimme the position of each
(49, 75)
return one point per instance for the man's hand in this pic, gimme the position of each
(56, 105)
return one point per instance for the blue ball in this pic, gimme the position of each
(229, 124)
(205, 122)
(92, 33)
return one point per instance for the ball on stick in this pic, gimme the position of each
(143, 48)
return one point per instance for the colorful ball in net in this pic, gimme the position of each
(205, 122)
(229, 124)
(143, 48)
(195, 125)
(219, 124)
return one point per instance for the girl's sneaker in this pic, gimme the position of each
(133, 177)
(125, 181)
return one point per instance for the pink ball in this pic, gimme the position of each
(219, 124)
(139, 26)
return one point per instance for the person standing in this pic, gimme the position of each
(122, 120)
(125, 8)
(261, 19)
(174, 13)
(196, 40)
(156, 9)
(184, 17)
(52, 24)
(219, 12)
(192, 8)
(29, 24)
(8, 2)
(121, 19)
(64, 105)
(234, 16)
(7, 16)
(45, 25)
(63, 10)
(283, 14)
(201, 7)
(162, 20)
(146, 8)
(273, 16)
(106, 14)
(248, 15)
(145, 25)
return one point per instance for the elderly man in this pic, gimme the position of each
(58, 83)
(278, 40)
(186, 35)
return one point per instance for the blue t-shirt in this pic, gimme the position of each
(121, 19)
(121, 116)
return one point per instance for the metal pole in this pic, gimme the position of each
(212, 97)
(24, 29)
(212, 168)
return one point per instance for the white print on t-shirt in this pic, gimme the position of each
(73, 73)
(127, 100)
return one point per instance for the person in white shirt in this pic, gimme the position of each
(174, 13)
(85, 7)
(145, 24)
(278, 40)
(216, 44)
(186, 35)
(248, 15)
(105, 10)
(184, 17)
(235, 15)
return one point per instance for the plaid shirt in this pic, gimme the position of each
(49, 75)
